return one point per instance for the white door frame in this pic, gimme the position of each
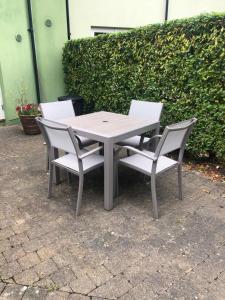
(2, 114)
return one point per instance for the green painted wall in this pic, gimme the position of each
(16, 58)
(49, 44)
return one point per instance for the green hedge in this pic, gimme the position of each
(180, 63)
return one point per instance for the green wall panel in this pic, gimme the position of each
(15, 58)
(16, 65)
(49, 44)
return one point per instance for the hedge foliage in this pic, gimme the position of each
(180, 63)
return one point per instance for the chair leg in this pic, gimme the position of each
(116, 184)
(69, 178)
(179, 172)
(47, 161)
(80, 192)
(50, 180)
(154, 200)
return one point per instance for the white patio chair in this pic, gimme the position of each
(152, 164)
(76, 161)
(54, 111)
(143, 110)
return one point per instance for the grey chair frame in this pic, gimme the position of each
(69, 107)
(132, 113)
(161, 142)
(57, 126)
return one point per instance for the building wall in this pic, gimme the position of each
(49, 44)
(15, 57)
(17, 72)
(116, 13)
(188, 8)
(132, 13)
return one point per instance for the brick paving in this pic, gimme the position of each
(121, 254)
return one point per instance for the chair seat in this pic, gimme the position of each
(133, 141)
(85, 141)
(144, 165)
(70, 161)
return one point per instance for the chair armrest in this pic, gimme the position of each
(90, 152)
(139, 152)
(157, 136)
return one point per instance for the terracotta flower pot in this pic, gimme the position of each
(29, 124)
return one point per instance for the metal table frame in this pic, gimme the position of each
(109, 129)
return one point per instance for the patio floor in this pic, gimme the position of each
(121, 254)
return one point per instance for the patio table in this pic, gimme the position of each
(108, 128)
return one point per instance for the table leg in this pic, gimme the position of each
(108, 175)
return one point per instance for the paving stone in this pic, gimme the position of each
(78, 297)
(46, 282)
(127, 296)
(46, 268)
(13, 291)
(9, 270)
(112, 289)
(18, 239)
(99, 275)
(35, 293)
(56, 295)
(63, 259)
(203, 274)
(6, 233)
(29, 260)
(2, 259)
(180, 256)
(66, 288)
(144, 268)
(82, 285)
(27, 277)
(142, 291)
(98, 298)
(33, 245)
(2, 286)
(4, 245)
(117, 265)
(215, 291)
(14, 253)
(47, 252)
(20, 227)
(182, 288)
(9, 280)
(63, 277)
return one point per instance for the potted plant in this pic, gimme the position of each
(27, 113)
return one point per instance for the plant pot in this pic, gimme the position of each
(29, 124)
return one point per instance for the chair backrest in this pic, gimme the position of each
(57, 110)
(59, 136)
(174, 137)
(146, 110)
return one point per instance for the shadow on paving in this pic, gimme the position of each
(119, 254)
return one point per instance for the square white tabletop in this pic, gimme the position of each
(104, 125)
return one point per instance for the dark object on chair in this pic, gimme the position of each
(77, 101)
